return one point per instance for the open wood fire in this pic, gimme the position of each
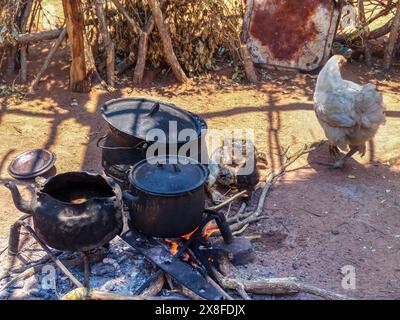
(164, 202)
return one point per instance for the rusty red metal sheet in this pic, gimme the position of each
(291, 33)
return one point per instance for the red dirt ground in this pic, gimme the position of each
(319, 219)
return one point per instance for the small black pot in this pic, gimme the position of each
(166, 200)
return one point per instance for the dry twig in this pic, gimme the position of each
(240, 221)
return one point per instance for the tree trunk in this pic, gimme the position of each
(394, 34)
(166, 41)
(361, 12)
(76, 27)
(108, 44)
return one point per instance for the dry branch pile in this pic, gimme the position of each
(198, 30)
(363, 25)
(188, 37)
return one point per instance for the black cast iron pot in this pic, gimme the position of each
(165, 198)
(74, 211)
(131, 120)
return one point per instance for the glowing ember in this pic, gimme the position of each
(174, 246)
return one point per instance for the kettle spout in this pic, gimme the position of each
(21, 204)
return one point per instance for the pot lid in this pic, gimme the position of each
(32, 163)
(137, 116)
(168, 175)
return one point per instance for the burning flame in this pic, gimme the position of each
(185, 256)
(189, 235)
(210, 229)
(174, 246)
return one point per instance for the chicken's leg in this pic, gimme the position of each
(339, 164)
(334, 152)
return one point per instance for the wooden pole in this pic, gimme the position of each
(394, 35)
(11, 59)
(73, 13)
(373, 34)
(142, 51)
(93, 74)
(166, 41)
(143, 39)
(137, 29)
(108, 44)
(30, 38)
(131, 22)
(47, 61)
(143, 47)
(248, 64)
(367, 48)
(24, 49)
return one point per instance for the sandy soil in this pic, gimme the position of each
(319, 219)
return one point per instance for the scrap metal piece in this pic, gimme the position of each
(183, 273)
(291, 34)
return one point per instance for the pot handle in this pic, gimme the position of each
(223, 225)
(142, 145)
(129, 197)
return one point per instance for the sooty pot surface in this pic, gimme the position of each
(164, 199)
(75, 211)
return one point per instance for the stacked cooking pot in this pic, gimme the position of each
(155, 150)
(79, 211)
(132, 123)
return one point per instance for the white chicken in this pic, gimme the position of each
(350, 114)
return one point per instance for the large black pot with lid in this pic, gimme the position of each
(166, 195)
(133, 122)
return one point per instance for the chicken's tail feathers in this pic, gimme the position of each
(370, 104)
